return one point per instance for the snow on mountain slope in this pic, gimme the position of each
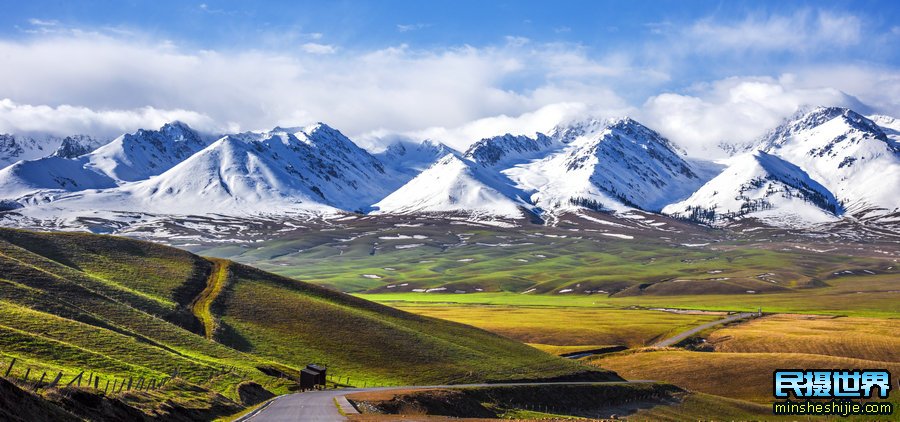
(137, 156)
(130, 157)
(567, 133)
(349, 177)
(845, 152)
(450, 185)
(618, 165)
(15, 148)
(759, 185)
(314, 170)
(412, 158)
(889, 125)
(26, 180)
(77, 145)
(231, 175)
(507, 148)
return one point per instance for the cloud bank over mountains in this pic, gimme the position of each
(698, 82)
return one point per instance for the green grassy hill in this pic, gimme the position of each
(123, 308)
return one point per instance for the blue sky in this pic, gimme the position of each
(454, 70)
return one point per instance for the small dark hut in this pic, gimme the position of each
(312, 376)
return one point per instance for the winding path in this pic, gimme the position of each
(685, 334)
(214, 284)
(321, 405)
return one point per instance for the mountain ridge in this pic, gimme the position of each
(830, 157)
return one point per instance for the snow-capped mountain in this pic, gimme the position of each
(617, 165)
(844, 151)
(507, 149)
(316, 169)
(130, 157)
(15, 148)
(450, 185)
(761, 185)
(77, 145)
(139, 155)
(818, 166)
(411, 158)
(570, 131)
(889, 125)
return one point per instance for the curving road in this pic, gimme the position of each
(319, 406)
(685, 334)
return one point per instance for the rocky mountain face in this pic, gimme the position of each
(15, 148)
(623, 164)
(820, 165)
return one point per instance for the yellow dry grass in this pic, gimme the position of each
(861, 338)
(744, 376)
(560, 326)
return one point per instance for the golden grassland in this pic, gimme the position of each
(742, 376)
(560, 326)
(861, 338)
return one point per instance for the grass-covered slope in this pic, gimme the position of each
(298, 322)
(120, 307)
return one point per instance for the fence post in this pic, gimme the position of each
(96, 383)
(106, 389)
(77, 378)
(27, 373)
(129, 384)
(56, 380)
(40, 381)
(8, 370)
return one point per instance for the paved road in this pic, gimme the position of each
(319, 406)
(685, 334)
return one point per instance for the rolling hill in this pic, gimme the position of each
(122, 308)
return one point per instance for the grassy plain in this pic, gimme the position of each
(575, 326)
(646, 256)
(869, 296)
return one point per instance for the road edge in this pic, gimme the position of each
(258, 409)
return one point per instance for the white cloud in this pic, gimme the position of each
(67, 120)
(802, 31)
(42, 22)
(104, 80)
(541, 120)
(316, 48)
(397, 89)
(412, 27)
(738, 109)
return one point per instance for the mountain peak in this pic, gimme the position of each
(76, 146)
(449, 185)
(490, 151)
(809, 119)
(567, 132)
